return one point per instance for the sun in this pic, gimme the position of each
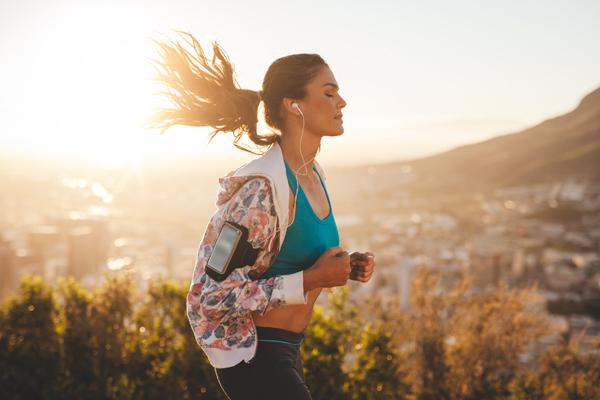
(92, 92)
(103, 108)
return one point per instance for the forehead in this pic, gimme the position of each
(324, 79)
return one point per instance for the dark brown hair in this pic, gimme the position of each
(206, 93)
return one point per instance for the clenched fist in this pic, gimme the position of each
(363, 265)
(331, 269)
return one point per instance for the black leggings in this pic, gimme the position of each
(275, 372)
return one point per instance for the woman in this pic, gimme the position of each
(250, 324)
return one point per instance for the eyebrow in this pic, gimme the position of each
(331, 84)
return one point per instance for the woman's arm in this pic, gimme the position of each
(242, 291)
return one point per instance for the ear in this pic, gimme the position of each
(287, 105)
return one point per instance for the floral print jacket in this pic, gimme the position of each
(220, 312)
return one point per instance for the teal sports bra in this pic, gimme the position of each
(308, 236)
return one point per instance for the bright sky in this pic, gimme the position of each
(419, 77)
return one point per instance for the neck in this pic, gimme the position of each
(291, 151)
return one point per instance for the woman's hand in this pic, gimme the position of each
(363, 265)
(331, 269)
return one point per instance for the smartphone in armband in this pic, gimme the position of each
(231, 250)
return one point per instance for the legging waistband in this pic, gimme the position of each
(277, 335)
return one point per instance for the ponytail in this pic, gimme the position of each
(205, 93)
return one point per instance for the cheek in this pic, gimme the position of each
(326, 111)
(322, 113)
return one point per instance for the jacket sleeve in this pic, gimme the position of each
(243, 291)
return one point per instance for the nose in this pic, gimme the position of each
(343, 102)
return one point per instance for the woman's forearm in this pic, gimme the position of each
(310, 281)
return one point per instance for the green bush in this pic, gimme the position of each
(30, 355)
(118, 342)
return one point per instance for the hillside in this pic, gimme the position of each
(560, 147)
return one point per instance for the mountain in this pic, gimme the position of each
(558, 148)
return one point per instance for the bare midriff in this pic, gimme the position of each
(293, 318)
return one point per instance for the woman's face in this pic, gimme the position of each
(322, 106)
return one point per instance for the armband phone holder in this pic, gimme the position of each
(231, 250)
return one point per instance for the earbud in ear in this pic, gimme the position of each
(297, 107)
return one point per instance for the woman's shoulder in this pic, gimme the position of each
(255, 193)
(242, 186)
(251, 203)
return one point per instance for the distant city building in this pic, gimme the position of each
(407, 266)
(27, 262)
(7, 268)
(169, 258)
(82, 252)
(88, 244)
(42, 238)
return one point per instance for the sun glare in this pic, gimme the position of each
(97, 91)
(88, 93)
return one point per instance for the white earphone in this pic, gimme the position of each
(296, 173)
(297, 107)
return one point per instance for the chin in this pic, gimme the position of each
(338, 131)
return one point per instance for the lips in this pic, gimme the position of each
(338, 116)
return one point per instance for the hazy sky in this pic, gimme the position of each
(419, 77)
